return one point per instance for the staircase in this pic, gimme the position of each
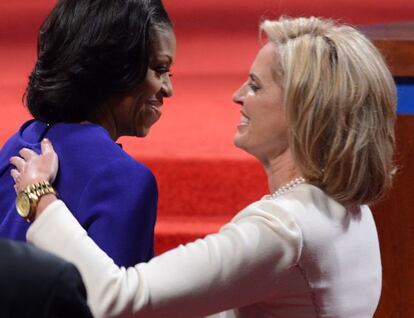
(203, 179)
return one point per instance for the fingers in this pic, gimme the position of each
(46, 146)
(16, 177)
(18, 162)
(15, 174)
(31, 166)
(27, 154)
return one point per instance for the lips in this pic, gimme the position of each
(244, 120)
(155, 103)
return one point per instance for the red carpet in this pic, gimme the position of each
(203, 178)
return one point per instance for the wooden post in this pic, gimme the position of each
(394, 215)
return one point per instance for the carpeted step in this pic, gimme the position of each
(203, 179)
(196, 197)
(173, 231)
(206, 188)
(20, 20)
(217, 17)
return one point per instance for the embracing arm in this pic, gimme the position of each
(222, 271)
(234, 267)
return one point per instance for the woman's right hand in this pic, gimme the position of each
(31, 168)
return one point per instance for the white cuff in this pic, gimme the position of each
(46, 230)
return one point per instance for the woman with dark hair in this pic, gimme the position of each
(318, 111)
(103, 70)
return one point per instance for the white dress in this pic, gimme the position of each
(299, 255)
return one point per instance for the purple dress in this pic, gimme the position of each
(113, 196)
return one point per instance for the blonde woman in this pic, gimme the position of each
(318, 111)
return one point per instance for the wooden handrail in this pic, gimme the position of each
(396, 43)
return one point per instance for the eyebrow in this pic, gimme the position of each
(255, 78)
(170, 61)
(156, 59)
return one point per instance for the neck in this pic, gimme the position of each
(107, 121)
(281, 170)
(109, 124)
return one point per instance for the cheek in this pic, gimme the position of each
(152, 85)
(268, 123)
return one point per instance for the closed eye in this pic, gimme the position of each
(254, 82)
(160, 70)
(253, 86)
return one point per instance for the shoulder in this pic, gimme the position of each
(28, 261)
(322, 219)
(302, 209)
(42, 277)
(129, 180)
(274, 217)
(124, 170)
(313, 208)
(265, 210)
(306, 201)
(84, 140)
(121, 185)
(89, 148)
(13, 144)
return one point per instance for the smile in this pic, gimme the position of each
(154, 104)
(244, 120)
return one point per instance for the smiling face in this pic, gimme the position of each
(135, 112)
(262, 131)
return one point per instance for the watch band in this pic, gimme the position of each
(33, 193)
(39, 189)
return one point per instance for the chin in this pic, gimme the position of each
(240, 143)
(243, 143)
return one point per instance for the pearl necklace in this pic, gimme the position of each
(287, 187)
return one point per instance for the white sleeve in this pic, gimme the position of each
(235, 267)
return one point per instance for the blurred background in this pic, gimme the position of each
(203, 179)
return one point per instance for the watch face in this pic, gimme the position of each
(23, 204)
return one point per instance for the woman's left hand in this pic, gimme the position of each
(31, 168)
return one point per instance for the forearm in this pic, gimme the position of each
(201, 278)
(44, 202)
(110, 290)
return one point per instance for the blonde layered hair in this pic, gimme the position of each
(340, 106)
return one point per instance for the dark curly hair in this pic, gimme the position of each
(88, 51)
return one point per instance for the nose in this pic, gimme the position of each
(238, 96)
(167, 86)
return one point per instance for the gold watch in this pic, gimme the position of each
(27, 199)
